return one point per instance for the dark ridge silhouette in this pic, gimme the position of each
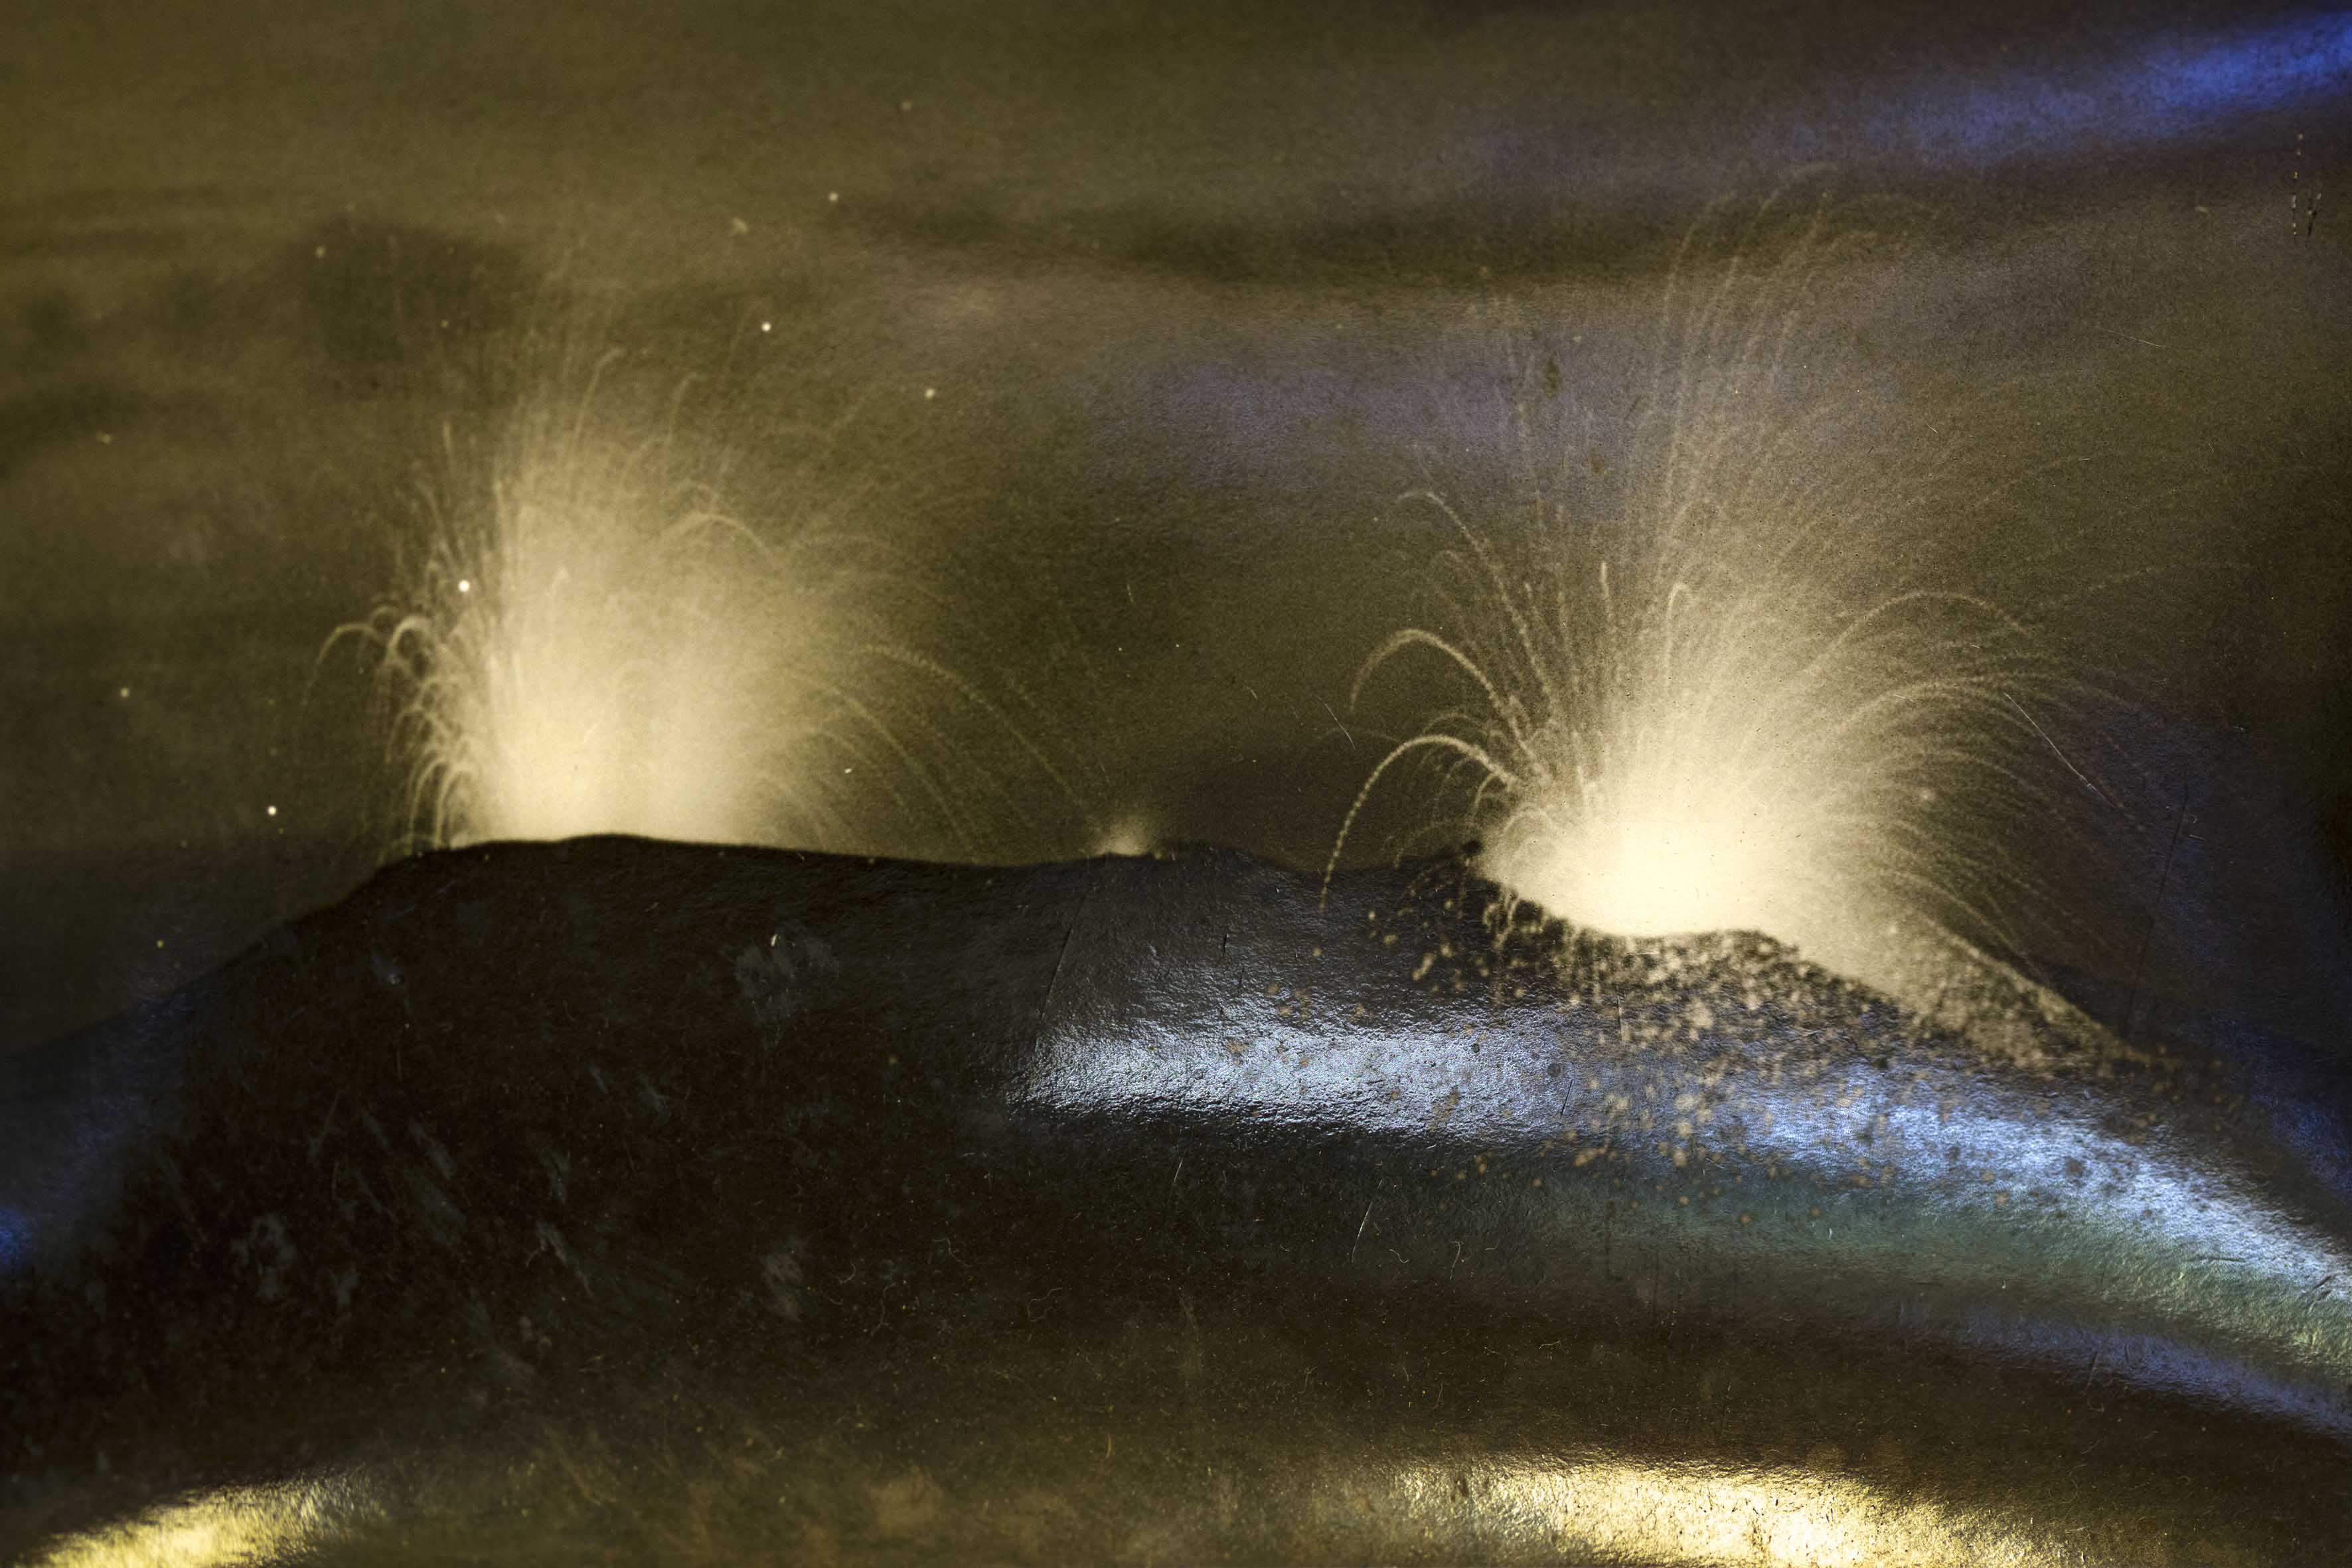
(623, 1200)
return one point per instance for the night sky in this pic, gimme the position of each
(1123, 328)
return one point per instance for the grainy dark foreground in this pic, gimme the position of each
(623, 1201)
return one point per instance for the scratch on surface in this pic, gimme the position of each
(1342, 728)
(1045, 1006)
(2054, 752)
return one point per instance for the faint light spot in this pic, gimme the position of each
(16, 1239)
(272, 810)
(906, 106)
(1131, 836)
(930, 393)
(737, 225)
(124, 693)
(767, 326)
(833, 195)
(465, 585)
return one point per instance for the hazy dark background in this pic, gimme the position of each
(1199, 291)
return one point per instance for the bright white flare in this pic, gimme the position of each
(592, 645)
(1732, 694)
(619, 664)
(1745, 756)
(1691, 863)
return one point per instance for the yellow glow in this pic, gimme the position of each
(592, 647)
(1672, 1515)
(620, 683)
(1711, 1515)
(1659, 869)
(1131, 836)
(233, 1525)
(1712, 780)
(594, 644)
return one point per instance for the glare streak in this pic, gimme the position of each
(1964, 1178)
(1721, 1516)
(243, 1525)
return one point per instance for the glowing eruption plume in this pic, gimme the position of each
(1734, 694)
(592, 643)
